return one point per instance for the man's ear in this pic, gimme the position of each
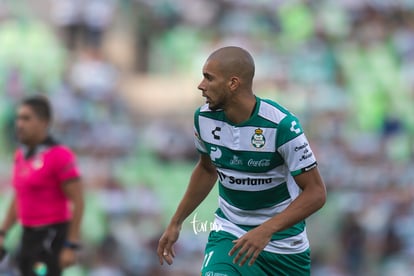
(234, 83)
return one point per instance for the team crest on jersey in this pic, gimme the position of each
(37, 163)
(258, 139)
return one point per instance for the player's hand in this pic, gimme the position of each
(250, 245)
(67, 257)
(165, 248)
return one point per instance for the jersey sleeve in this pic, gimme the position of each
(197, 138)
(65, 165)
(294, 147)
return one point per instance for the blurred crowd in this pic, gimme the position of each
(345, 67)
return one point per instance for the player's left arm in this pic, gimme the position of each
(73, 191)
(295, 149)
(69, 179)
(311, 199)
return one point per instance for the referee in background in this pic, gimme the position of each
(48, 198)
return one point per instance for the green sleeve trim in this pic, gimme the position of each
(306, 169)
(297, 172)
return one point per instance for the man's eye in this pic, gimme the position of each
(23, 118)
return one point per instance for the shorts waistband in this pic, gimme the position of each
(44, 227)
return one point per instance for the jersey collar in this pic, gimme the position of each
(29, 152)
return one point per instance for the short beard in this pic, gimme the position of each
(215, 107)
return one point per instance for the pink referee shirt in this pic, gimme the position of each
(38, 184)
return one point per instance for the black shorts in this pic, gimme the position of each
(40, 248)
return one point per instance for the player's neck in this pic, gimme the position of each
(241, 111)
(37, 141)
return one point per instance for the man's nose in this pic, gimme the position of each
(20, 123)
(201, 86)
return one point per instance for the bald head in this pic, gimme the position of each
(234, 61)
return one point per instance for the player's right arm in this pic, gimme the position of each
(202, 180)
(9, 220)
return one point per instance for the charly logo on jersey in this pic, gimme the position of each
(294, 127)
(258, 139)
(216, 133)
(215, 153)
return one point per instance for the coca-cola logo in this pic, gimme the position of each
(258, 163)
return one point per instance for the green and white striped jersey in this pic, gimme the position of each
(256, 161)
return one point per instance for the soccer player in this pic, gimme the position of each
(269, 182)
(48, 199)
